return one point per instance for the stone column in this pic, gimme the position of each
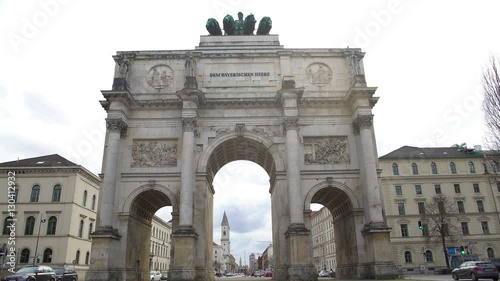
(373, 203)
(376, 233)
(293, 171)
(187, 174)
(116, 129)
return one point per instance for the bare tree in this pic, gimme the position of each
(491, 107)
(440, 224)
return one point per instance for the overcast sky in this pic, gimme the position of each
(425, 57)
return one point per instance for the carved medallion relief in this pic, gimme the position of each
(319, 74)
(160, 76)
(326, 150)
(154, 153)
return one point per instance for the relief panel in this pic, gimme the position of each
(326, 150)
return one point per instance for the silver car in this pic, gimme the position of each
(475, 270)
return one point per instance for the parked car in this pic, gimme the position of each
(259, 273)
(268, 274)
(323, 273)
(33, 273)
(164, 276)
(154, 275)
(65, 274)
(496, 262)
(475, 270)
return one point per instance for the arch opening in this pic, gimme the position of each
(240, 169)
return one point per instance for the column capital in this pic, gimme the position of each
(291, 123)
(189, 124)
(117, 125)
(362, 122)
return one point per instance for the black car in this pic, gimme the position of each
(475, 270)
(65, 274)
(33, 273)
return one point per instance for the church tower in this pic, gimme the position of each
(224, 238)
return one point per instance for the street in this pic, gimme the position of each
(430, 277)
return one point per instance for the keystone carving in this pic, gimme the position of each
(326, 150)
(157, 153)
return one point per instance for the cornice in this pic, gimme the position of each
(52, 170)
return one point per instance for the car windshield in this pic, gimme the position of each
(27, 270)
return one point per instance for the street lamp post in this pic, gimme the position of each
(37, 239)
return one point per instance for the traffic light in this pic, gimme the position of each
(462, 250)
(420, 225)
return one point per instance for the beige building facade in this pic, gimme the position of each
(161, 238)
(175, 117)
(323, 237)
(412, 176)
(53, 204)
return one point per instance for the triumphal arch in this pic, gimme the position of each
(175, 117)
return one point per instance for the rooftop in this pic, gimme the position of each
(53, 160)
(456, 151)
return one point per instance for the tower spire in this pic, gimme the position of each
(224, 219)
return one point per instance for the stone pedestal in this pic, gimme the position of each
(183, 267)
(103, 268)
(301, 266)
(379, 252)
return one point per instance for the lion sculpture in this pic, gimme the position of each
(213, 27)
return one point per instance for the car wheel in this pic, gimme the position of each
(473, 276)
(495, 279)
(455, 276)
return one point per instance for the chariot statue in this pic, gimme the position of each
(239, 26)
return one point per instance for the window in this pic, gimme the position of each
(93, 202)
(25, 256)
(421, 208)
(484, 226)
(51, 226)
(437, 188)
(399, 190)
(465, 228)
(87, 257)
(56, 193)
(80, 230)
(77, 257)
(444, 229)
(434, 168)
(498, 186)
(6, 224)
(425, 230)
(404, 230)
(16, 194)
(480, 206)
(418, 189)
(35, 193)
(414, 168)
(453, 168)
(30, 226)
(428, 256)
(476, 188)
(441, 207)
(84, 198)
(401, 208)
(460, 206)
(47, 256)
(457, 188)
(395, 169)
(491, 253)
(408, 258)
(494, 167)
(472, 169)
(90, 229)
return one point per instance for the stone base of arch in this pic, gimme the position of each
(301, 266)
